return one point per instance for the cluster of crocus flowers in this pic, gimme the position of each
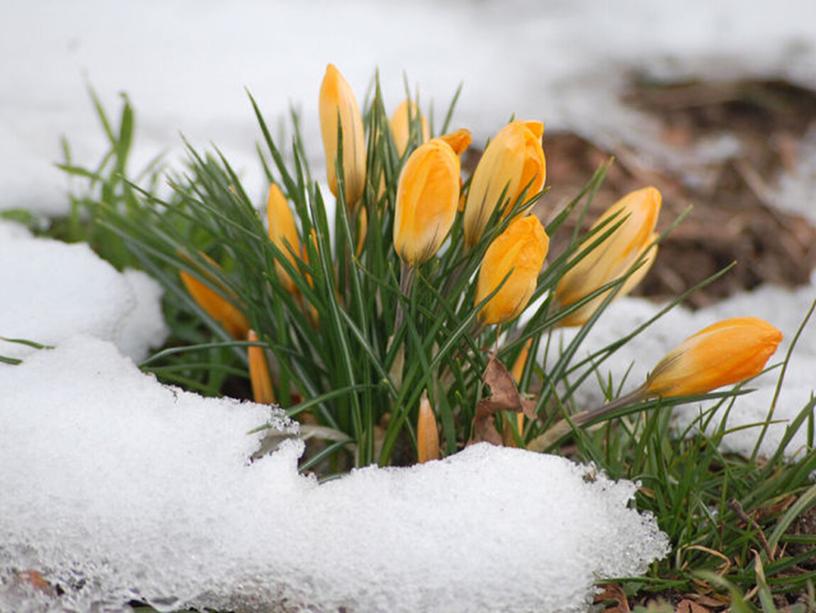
(513, 164)
(632, 221)
(511, 264)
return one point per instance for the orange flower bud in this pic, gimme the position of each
(459, 140)
(508, 440)
(216, 306)
(401, 121)
(427, 195)
(637, 214)
(427, 433)
(337, 101)
(727, 352)
(262, 391)
(283, 233)
(520, 251)
(514, 160)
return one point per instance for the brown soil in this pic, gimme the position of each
(732, 219)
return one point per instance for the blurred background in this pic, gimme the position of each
(713, 103)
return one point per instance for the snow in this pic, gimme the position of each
(782, 307)
(145, 491)
(561, 62)
(55, 290)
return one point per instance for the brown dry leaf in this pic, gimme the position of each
(504, 396)
(35, 579)
(689, 606)
(614, 592)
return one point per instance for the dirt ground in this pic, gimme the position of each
(733, 218)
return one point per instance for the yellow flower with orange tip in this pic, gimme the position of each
(520, 252)
(216, 306)
(637, 214)
(262, 391)
(427, 196)
(514, 160)
(726, 352)
(405, 115)
(459, 140)
(427, 432)
(283, 233)
(337, 101)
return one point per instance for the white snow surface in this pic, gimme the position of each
(782, 307)
(185, 66)
(53, 290)
(145, 491)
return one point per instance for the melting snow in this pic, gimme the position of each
(136, 490)
(53, 290)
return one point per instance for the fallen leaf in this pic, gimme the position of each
(615, 593)
(504, 396)
(689, 606)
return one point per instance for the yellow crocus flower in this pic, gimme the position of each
(427, 197)
(637, 214)
(726, 352)
(401, 120)
(337, 101)
(520, 252)
(216, 306)
(283, 233)
(514, 160)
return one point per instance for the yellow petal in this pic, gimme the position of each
(637, 214)
(727, 352)
(520, 252)
(459, 140)
(513, 161)
(427, 198)
(427, 433)
(337, 101)
(216, 306)
(262, 391)
(283, 233)
(400, 122)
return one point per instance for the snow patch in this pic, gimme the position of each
(132, 489)
(54, 290)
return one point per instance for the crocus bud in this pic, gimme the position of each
(459, 140)
(513, 160)
(405, 115)
(520, 251)
(283, 233)
(337, 101)
(427, 196)
(427, 433)
(262, 391)
(727, 352)
(637, 214)
(216, 306)
(508, 439)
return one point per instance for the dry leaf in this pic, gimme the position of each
(504, 396)
(614, 592)
(689, 606)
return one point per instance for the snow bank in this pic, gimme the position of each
(53, 290)
(782, 307)
(562, 62)
(117, 487)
